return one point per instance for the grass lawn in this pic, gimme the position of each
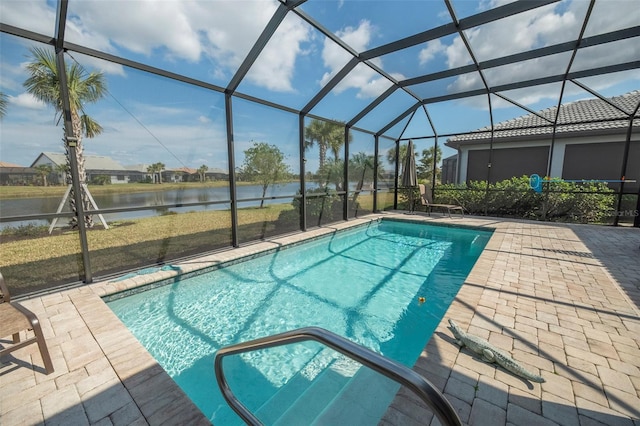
(132, 231)
(35, 260)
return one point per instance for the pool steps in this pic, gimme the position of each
(283, 399)
(310, 399)
(314, 399)
(290, 394)
(349, 406)
(330, 399)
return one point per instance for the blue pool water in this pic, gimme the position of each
(363, 283)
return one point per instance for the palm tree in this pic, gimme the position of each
(336, 140)
(160, 167)
(202, 170)
(391, 154)
(62, 170)
(328, 136)
(3, 104)
(316, 133)
(333, 172)
(84, 88)
(425, 164)
(361, 167)
(44, 170)
(156, 168)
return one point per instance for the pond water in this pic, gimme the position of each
(43, 205)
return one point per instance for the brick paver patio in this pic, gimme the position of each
(562, 299)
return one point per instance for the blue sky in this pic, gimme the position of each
(148, 119)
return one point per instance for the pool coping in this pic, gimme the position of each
(103, 373)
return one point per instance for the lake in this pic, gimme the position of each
(43, 205)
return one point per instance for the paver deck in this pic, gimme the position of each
(562, 299)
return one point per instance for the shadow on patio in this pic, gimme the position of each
(82, 398)
(618, 250)
(482, 392)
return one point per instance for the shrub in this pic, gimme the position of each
(321, 209)
(101, 180)
(585, 202)
(403, 197)
(28, 230)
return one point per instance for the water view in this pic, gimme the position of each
(186, 195)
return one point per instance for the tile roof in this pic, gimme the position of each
(580, 116)
(183, 170)
(5, 164)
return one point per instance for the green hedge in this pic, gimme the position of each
(585, 202)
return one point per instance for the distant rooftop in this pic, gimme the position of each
(590, 115)
(5, 164)
(92, 162)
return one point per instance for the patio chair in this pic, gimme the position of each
(427, 201)
(15, 318)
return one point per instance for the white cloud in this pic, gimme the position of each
(219, 34)
(358, 38)
(214, 34)
(230, 30)
(12, 76)
(139, 26)
(537, 28)
(433, 48)
(334, 57)
(33, 15)
(611, 15)
(275, 65)
(374, 87)
(27, 100)
(367, 82)
(457, 54)
(90, 63)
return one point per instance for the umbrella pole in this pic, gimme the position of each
(410, 201)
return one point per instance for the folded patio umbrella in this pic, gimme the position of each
(409, 174)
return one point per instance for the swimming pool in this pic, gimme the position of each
(365, 283)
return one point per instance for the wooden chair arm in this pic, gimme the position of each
(6, 297)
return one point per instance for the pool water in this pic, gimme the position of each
(365, 284)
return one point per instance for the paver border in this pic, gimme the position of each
(132, 378)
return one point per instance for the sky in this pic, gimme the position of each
(147, 118)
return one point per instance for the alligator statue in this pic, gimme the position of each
(490, 353)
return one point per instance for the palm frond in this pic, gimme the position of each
(43, 83)
(90, 126)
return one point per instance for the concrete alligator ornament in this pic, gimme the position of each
(490, 353)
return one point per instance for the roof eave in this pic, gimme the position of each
(522, 138)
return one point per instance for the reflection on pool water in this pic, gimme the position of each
(385, 285)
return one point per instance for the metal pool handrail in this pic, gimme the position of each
(385, 366)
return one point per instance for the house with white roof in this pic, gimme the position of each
(590, 144)
(96, 167)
